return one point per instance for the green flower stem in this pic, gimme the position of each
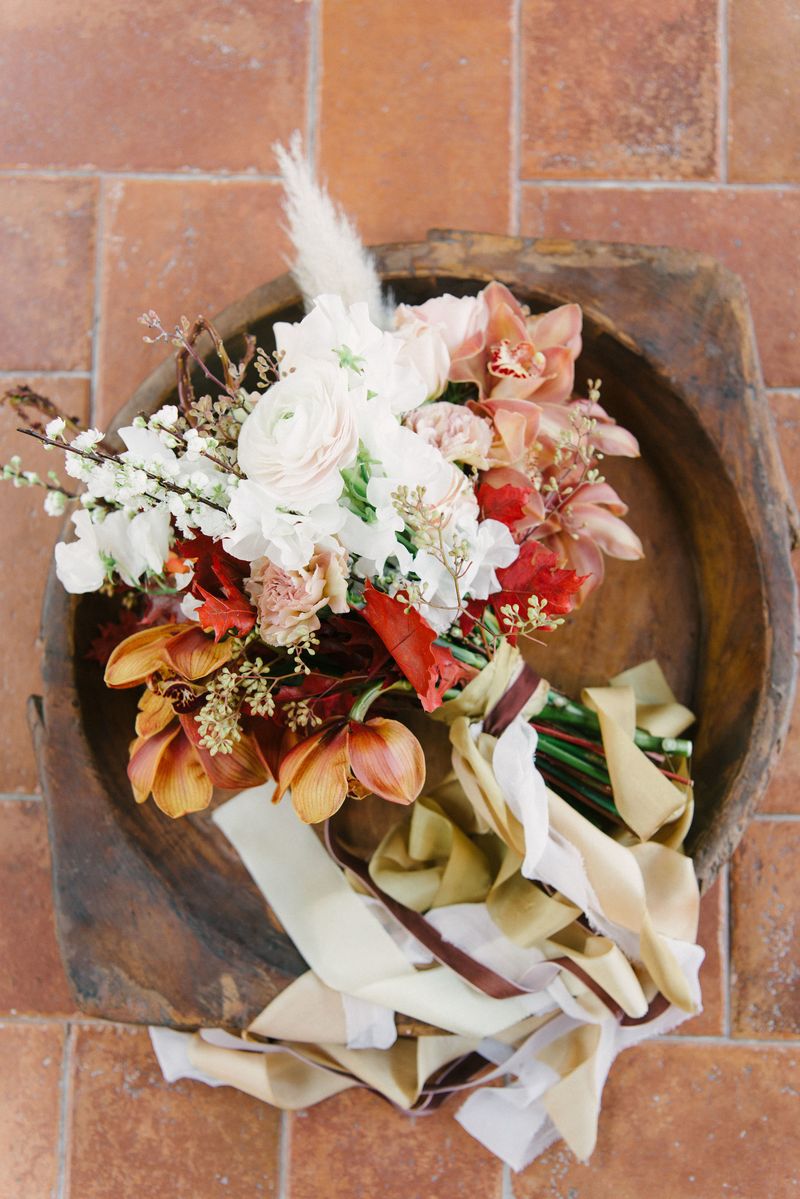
(368, 697)
(572, 756)
(560, 710)
(471, 657)
(570, 783)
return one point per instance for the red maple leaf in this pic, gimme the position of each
(506, 503)
(430, 668)
(112, 634)
(535, 572)
(157, 609)
(233, 613)
(217, 581)
(210, 561)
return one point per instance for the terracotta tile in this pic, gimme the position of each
(116, 86)
(47, 230)
(783, 793)
(416, 134)
(619, 98)
(683, 1120)
(765, 915)
(30, 1072)
(180, 247)
(755, 233)
(357, 1147)
(764, 91)
(712, 936)
(134, 1134)
(32, 981)
(27, 535)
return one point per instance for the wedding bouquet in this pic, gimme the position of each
(308, 549)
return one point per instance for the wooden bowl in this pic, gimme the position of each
(158, 921)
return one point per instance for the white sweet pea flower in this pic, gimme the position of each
(300, 436)
(135, 546)
(148, 534)
(457, 318)
(262, 530)
(379, 361)
(424, 349)
(489, 547)
(373, 543)
(78, 563)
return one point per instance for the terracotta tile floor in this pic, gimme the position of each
(136, 171)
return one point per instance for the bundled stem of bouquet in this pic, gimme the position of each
(572, 759)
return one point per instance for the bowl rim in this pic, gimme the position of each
(97, 965)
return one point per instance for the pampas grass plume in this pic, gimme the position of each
(330, 258)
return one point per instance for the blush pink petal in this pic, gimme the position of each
(560, 327)
(608, 532)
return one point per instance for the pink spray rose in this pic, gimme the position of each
(458, 434)
(288, 600)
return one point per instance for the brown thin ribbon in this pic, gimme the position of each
(512, 701)
(460, 1074)
(473, 971)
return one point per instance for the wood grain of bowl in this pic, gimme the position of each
(159, 922)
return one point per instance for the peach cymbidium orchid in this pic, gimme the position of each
(353, 757)
(515, 356)
(166, 758)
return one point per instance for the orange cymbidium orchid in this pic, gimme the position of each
(166, 759)
(380, 756)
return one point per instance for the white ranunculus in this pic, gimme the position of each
(370, 357)
(300, 436)
(457, 318)
(425, 349)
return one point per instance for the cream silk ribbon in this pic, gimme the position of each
(590, 928)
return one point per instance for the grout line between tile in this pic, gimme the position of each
(99, 250)
(186, 176)
(64, 1116)
(792, 391)
(284, 1181)
(313, 82)
(725, 883)
(515, 119)
(777, 817)
(45, 374)
(11, 796)
(507, 1191)
(687, 185)
(723, 90)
